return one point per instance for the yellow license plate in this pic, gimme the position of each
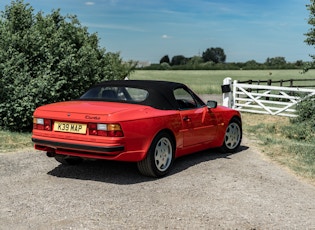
(69, 127)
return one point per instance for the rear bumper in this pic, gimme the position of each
(117, 152)
(62, 145)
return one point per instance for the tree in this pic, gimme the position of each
(164, 66)
(310, 35)
(165, 59)
(299, 63)
(179, 60)
(195, 61)
(215, 55)
(251, 64)
(276, 62)
(44, 59)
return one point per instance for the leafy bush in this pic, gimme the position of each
(303, 126)
(44, 59)
(306, 111)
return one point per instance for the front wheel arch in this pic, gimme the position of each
(232, 136)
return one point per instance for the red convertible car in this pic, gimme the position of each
(147, 122)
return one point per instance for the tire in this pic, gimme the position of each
(67, 160)
(232, 137)
(159, 158)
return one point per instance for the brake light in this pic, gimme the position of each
(105, 130)
(42, 124)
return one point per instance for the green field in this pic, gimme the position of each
(210, 81)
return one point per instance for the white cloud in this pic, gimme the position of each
(89, 3)
(165, 36)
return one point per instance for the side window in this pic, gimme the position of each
(184, 99)
(137, 95)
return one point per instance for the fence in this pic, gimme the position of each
(266, 98)
(297, 83)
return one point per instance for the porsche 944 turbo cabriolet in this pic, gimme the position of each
(147, 122)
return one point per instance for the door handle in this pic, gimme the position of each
(186, 118)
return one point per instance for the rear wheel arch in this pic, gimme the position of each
(169, 132)
(166, 130)
(160, 155)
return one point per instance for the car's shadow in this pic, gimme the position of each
(127, 173)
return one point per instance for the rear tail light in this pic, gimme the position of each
(42, 124)
(106, 130)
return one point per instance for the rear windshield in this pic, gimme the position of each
(114, 93)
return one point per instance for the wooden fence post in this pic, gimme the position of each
(227, 92)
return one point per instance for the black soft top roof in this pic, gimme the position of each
(160, 92)
(145, 84)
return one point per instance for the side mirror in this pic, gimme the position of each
(212, 104)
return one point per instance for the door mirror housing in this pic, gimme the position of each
(212, 104)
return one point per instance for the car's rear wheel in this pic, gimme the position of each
(159, 158)
(68, 160)
(233, 136)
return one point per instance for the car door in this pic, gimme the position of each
(198, 121)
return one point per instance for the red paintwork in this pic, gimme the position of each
(204, 129)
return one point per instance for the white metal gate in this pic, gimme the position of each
(264, 99)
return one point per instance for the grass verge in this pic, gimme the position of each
(267, 130)
(12, 141)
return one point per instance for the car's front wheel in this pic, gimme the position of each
(233, 136)
(68, 160)
(159, 157)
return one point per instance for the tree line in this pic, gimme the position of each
(214, 59)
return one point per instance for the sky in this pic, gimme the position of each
(146, 30)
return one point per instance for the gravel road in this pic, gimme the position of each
(206, 190)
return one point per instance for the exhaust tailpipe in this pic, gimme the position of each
(51, 154)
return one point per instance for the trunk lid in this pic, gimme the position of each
(87, 111)
(95, 107)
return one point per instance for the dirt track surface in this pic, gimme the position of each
(206, 190)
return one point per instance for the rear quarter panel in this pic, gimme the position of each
(139, 130)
